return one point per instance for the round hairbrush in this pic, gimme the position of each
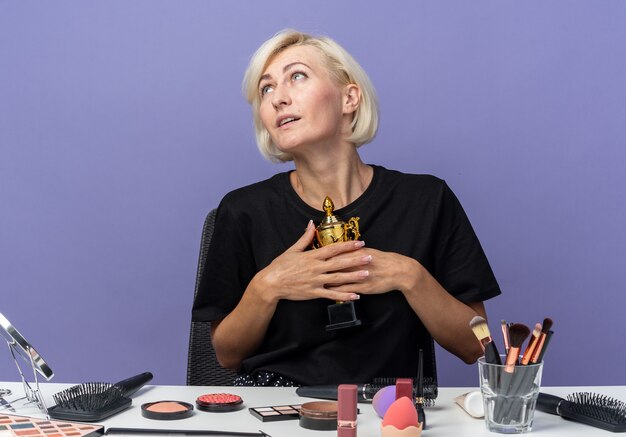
(589, 408)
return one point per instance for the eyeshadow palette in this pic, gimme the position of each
(21, 426)
(276, 413)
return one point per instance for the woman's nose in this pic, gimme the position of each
(281, 97)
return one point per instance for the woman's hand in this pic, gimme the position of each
(445, 317)
(301, 274)
(386, 271)
(296, 274)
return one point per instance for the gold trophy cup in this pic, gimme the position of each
(332, 230)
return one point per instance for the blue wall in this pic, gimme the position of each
(122, 123)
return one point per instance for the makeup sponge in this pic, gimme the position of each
(401, 420)
(401, 414)
(383, 399)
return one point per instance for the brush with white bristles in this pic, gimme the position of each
(481, 331)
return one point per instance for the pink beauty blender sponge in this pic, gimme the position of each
(401, 420)
(383, 399)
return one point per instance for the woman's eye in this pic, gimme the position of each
(298, 76)
(266, 89)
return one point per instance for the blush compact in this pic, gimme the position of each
(219, 402)
(166, 410)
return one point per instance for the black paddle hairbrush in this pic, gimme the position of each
(95, 401)
(589, 408)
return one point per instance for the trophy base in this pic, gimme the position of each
(342, 315)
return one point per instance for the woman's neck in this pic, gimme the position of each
(343, 179)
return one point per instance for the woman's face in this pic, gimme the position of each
(301, 106)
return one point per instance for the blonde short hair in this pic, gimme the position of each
(343, 68)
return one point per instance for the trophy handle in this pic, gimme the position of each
(353, 228)
(315, 244)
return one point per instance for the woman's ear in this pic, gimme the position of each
(351, 98)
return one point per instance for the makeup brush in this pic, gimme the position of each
(481, 331)
(523, 380)
(545, 345)
(505, 336)
(518, 332)
(532, 344)
(589, 408)
(95, 401)
(547, 325)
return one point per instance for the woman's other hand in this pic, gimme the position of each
(386, 271)
(302, 274)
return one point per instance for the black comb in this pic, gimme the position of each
(95, 401)
(589, 408)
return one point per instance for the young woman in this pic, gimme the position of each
(417, 274)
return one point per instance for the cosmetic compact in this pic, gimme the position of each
(166, 410)
(219, 402)
(319, 415)
(276, 413)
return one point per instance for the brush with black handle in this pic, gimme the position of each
(95, 401)
(589, 408)
(481, 331)
(541, 345)
(532, 345)
(532, 355)
(518, 333)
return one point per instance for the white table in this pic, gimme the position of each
(445, 419)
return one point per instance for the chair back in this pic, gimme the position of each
(202, 365)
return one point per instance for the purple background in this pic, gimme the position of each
(122, 123)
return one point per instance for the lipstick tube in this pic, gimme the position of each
(404, 387)
(346, 410)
